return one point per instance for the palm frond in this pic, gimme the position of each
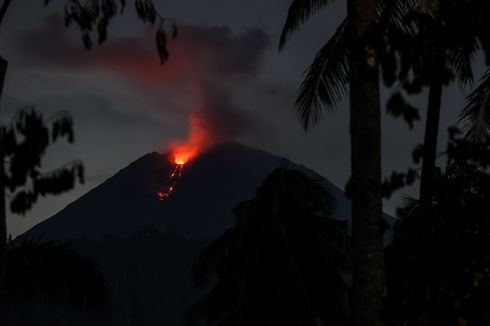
(395, 12)
(300, 191)
(216, 253)
(281, 263)
(326, 79)
(461, 58)
(429, 7)
(476, 113)
(299, 12)
(410, 205)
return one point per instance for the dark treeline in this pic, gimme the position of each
(413, 46)
(286, 262)
(143, 283)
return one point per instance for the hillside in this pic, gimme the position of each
(145, 247)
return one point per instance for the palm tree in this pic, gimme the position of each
(351, 57)
(438, 268)
(281, 263)
(54, 273)
(443, 42)
(446, 41)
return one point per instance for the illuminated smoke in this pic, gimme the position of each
(181, 153)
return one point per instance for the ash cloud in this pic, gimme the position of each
(223, 119)
(212, 51)
(215, 49)
(206, 64)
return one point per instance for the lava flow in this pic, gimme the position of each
(200, 138)
(177, 172)
(179, 158)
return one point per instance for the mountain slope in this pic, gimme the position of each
(145, 247)
(201, 205)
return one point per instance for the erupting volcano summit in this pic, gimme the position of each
(179, 157)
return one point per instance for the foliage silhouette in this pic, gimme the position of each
(54, 273)
(281, 263)
(92, 17)
(443, 39)
(476, 113)
(326, 80)
(23, 143)
(148, 276)
(352, 56)
(438, 267)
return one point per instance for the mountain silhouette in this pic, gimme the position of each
(145, 247)
(200, 207)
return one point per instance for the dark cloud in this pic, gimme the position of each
(223, 52)
(208, 51)
(206, 65)
(223, 119)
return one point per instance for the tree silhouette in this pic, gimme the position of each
(445, 39)
(418, 43)
(352, 57)
(327, 78)
(92, 18)
(54, 273)
(281, 263)
(438, 267)
(23, 143)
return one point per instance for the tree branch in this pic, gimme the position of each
(4, 9)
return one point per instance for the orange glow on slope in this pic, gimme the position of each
(177, 172)
(199, 140)
(182, 153)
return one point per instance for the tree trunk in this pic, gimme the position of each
(3, 218)
(431, 135)
(4, 9)
(428, 168)
(365, 183)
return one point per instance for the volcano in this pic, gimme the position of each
(200, 206)
(145, 246)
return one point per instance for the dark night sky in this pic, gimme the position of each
(225, 66)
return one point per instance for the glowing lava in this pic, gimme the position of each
(182, 155)
(200, 138)
(179, 158)
(176, 174)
